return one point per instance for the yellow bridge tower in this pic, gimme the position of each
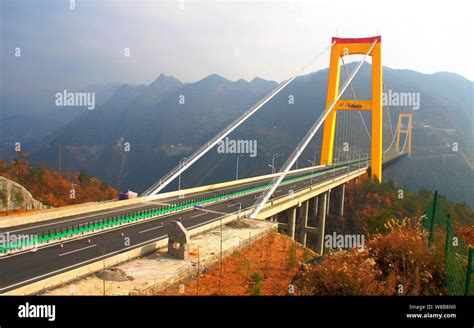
(406, 131)
(350, 46)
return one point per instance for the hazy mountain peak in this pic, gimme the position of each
(161, 87)
(165, 80)
(241, 81)
(214, 79)
(258, 82)
(126, 92)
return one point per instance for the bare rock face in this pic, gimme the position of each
(113, 274)
(14, 196)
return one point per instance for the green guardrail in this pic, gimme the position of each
(160, 210)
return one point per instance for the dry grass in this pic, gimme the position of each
(264, 268)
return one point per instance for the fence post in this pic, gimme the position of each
(467, 289)
(448, 233)
(433, 213)
(447, 254)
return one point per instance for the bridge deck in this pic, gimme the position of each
(25, 267)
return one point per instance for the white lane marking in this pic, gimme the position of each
(153, 202)
(77, 265)
(136, 223)
(105, 256)
(150, 229)
(198, 215)
(127, 208)
(77, 250)
(118, 210)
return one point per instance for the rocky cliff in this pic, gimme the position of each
(14, 196)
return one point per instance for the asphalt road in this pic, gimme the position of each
(22, 268)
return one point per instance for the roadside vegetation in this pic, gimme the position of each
(398, 262)
(56, 188)
(266, 267)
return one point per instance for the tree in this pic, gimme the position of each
(83, 176)
(256, 284)
(104, 185)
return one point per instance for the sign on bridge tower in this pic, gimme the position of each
(352, 46)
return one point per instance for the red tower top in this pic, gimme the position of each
(370, 39)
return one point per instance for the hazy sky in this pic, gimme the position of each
(64, 48)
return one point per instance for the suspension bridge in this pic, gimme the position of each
(354, 134)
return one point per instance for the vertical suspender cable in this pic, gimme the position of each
(304, 142)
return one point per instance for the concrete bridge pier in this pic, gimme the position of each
(322, 222)
(315, 206)
(328, 198)
(343, 193)
(292, 222)
(304, 209)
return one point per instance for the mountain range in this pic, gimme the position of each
(167, 120)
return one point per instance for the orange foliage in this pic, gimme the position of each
(343, 273)
(56, 188)
(269, 256)
(467, 232)
(398, 262)
(403, 254)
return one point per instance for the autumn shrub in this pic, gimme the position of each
(56, 188)
(399, 262)
(351, 272)
(467, 233)
(403, 255)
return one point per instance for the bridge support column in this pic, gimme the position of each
(343, 193)
(328, 197)
(304, 222)
(377, 113)
(292, 223)
(322, 224)
(316, 204)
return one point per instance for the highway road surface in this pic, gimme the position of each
(22, 268)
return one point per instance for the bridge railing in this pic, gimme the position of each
(71, 231)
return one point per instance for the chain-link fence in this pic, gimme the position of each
(458, 256)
